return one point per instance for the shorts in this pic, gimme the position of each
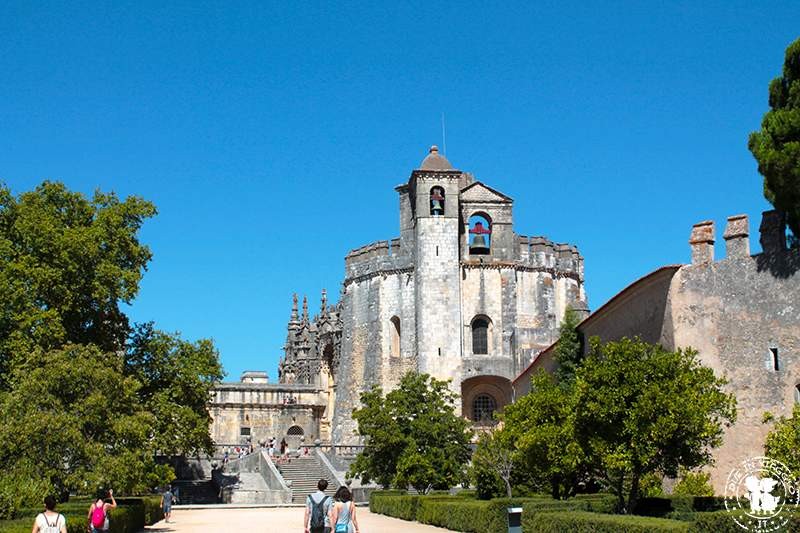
(167, 509)
(325, 529)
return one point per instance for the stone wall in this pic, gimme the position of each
(736, 312)
(262, 408)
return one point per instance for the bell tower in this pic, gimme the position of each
(435, 189)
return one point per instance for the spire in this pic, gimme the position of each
(293, 320)
(324, 306)
(305, 309)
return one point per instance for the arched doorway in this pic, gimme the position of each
(294, 437)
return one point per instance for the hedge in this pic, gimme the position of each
(462, 514)
(130, 517)
(722, 522)
(678, 505)
(584, 522)
(597, 503)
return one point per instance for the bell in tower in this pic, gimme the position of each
(437, 201)
(479, 244)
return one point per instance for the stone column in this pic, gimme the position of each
(737, 236)
(702, 242)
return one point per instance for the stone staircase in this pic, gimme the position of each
(304, 472)
(196, 492)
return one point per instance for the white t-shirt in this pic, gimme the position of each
(50, 523)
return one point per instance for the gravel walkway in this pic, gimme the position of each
(275, 520)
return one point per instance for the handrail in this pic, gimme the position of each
(329, 467)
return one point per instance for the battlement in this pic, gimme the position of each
(375, 257)
(540, 252)
(737, 237)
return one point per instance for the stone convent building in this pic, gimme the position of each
(458, 295)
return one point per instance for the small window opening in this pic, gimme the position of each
(437, 251)
(437, 201)
(776, 364)
(797, 393)
(244, 432)
(395, 336)
(480, 336)
(440, 351)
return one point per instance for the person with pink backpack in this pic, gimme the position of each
(98, 512)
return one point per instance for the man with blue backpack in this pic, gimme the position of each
(318, 506)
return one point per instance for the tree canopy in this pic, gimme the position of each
(413, 436)
(776, 146)
(541, 425)
(783, 442)
(641, 409)
(568, 353)
(87, 399)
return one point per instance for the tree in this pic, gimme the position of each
(75, 421)
(776, 146)
(542, 426)
(568, 351)
(66, 263)
(640, 409)
(783, 442)
(495, 454)
(86, 401)
(412, 436)
(176, 378)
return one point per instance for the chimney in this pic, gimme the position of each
(702, 242)
(737, 236)
(773, 232)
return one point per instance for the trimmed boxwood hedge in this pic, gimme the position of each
(721, 522)
(462, 514)
(130, 517)
(584, 522)
(678, 505)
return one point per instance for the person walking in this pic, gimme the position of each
(98, 512)
(166, 504)
(343, 512)
(283, 447)
(49, 521)
(318, 508)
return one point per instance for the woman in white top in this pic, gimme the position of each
(343, 512)
(49, 521)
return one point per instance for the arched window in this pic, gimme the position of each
(483, 408)
(394, 328)
(295, 430)
(437, 201)
(480, 230)
(480, 336)
(797, 394)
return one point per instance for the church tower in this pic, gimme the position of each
(435, 188)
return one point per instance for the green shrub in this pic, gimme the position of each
(663, 507)
(18, 490)
(130, 517)
(597, 503)
(583, 522)
(694, 484)
(404, 507)
(723, 522)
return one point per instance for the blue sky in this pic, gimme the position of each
(271, 135)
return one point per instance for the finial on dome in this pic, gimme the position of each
(435, 161)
